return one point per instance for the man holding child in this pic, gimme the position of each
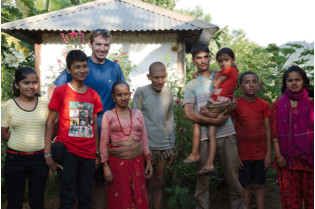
(196, 96)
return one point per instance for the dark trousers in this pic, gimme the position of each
(19, 167)
(76, 178)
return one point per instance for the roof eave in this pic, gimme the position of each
(30, 37)
(204, 38)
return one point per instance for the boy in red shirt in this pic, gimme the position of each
(77, 106)
(251, 121)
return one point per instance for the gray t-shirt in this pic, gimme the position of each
(197, 92)
(157, 110)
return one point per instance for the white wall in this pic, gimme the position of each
(142, 49)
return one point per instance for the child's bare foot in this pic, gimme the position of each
(192, 159)
(206, 170)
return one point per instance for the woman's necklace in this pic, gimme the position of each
(120, 123)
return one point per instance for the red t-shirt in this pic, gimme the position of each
(227, 86)
(250, 128)
(76, 111)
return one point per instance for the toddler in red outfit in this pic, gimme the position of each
(221, 97)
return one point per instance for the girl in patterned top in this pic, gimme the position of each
(23, 122)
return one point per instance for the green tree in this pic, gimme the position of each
(196, 13)
(167, 4)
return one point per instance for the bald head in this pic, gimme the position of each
(156, 66)
(157, 75)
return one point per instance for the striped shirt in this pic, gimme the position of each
(27, 127)
(197, 92)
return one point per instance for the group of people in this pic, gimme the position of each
(124, 151)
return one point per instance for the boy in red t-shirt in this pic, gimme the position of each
(251, 121)
(77, 106)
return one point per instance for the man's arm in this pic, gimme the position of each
(97, 140)
(232, 107)
(267, 160)
(204, 110)
(137, 100)
(170, 122)
(5, 135)
(196, 117)
(63, 78)
(51, 89)
(49, 132)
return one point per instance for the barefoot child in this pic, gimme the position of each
(219, 100)
(251, 121)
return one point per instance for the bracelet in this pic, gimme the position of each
(105, 164)
(48, 155)
(279, 157)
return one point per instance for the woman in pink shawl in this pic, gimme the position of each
(125, 153)
(292, 126)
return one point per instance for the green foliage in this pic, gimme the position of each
(180, 178)
(4, 145)
(167, 4)
(121, 57)
(27, 8)
(179, 197)
(196, 13)
(9, 12)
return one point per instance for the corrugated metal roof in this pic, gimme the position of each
(114, 15)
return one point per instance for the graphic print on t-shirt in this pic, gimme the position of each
(81, 119)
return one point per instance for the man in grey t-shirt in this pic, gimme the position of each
(156, 103)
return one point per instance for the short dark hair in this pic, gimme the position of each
(154, 65)
(99, 32)
(20, 74)
(75, 55)
(306, 81)
(240, 79)
(197, 48)
(223, 51)
(118, 83)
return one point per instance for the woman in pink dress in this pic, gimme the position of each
(125, 153)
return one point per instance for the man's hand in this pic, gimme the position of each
(281, 162)
(97, 162)
(108, 175)
(240, 163)
(52, 164)
(148, 170)
(267, 161)
(170, 160)
(195, 75)
(206, 112)
(222, 117)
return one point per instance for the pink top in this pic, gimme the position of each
(111, 131)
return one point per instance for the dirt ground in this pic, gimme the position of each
(219, 198)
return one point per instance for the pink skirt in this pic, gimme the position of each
(128, 189)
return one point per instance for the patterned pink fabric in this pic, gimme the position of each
(129, 188)
(111, 131)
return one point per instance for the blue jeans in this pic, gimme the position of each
(76, 177)
(19, 167)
